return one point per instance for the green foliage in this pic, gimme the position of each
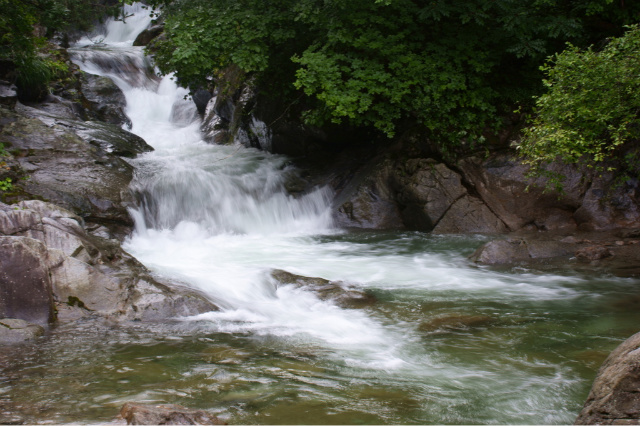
(451, 66)
(24, 27)
(591, 107)
(6, 185)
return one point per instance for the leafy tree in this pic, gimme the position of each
(20, 43)
(591, 110)
(450, 66)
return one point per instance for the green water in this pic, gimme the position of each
(469, 356)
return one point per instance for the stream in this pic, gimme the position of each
(446, 342)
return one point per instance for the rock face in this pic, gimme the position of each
(61, 167)
(166, 414)
(25, 284)
(106, 100)
(613, 399)
(47, 248)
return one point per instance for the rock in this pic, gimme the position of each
(25, 285)
(166, 414)
(449, 323)
(469, 215)
(501, 252)
(17, 331)
(8, 94)
(146, 36)
(613, 398)
(106, 101)
(593, 253)
(201, 98)
(609, 205)
(367, 201)
(501, 182)
(62, 168)
(433, 198)
(517, 250)
(85, 274)
(337, 292)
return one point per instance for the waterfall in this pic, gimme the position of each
(219, 219)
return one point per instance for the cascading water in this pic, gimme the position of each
(444, 343)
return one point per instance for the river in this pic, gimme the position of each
(446, 342)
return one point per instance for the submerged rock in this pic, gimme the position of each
(613, 399)
(166, 414)
(337, 292)
(18, 331)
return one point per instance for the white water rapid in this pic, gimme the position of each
(218, 218)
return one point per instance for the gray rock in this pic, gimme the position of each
(18, 331)
(502, 183)
(87, 274)
(613, 398)
(502, 252)
(106, 101)
(368, 201)
(166, 414)
(469, 215)
(25, 285)
(338, 292)
(64, 169)
(8, 94)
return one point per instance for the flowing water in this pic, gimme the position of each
(446, 342)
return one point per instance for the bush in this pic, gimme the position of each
(591, 110)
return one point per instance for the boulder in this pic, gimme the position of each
(338, 292)
(613, 399)
(8, 94)
(367, 201)
(518, 250)
(25, 284)
(166, 414)
(502, 183)
(432, 197)
(63, 168)
(105, 99)
(146, 36)
(83, 274)
(18, 331)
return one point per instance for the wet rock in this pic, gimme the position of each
(469, 215)
(201, 98)
(84, 274)
(17, 331)
(146, 36)
(433, 198)
(517, 250)
(368, 201)
(337, 292)
(613, 398)
(166, 414)
(65, 169)
(455, 322)
(593, 253)
(106, 101)
(8, 94)
(25, 284)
